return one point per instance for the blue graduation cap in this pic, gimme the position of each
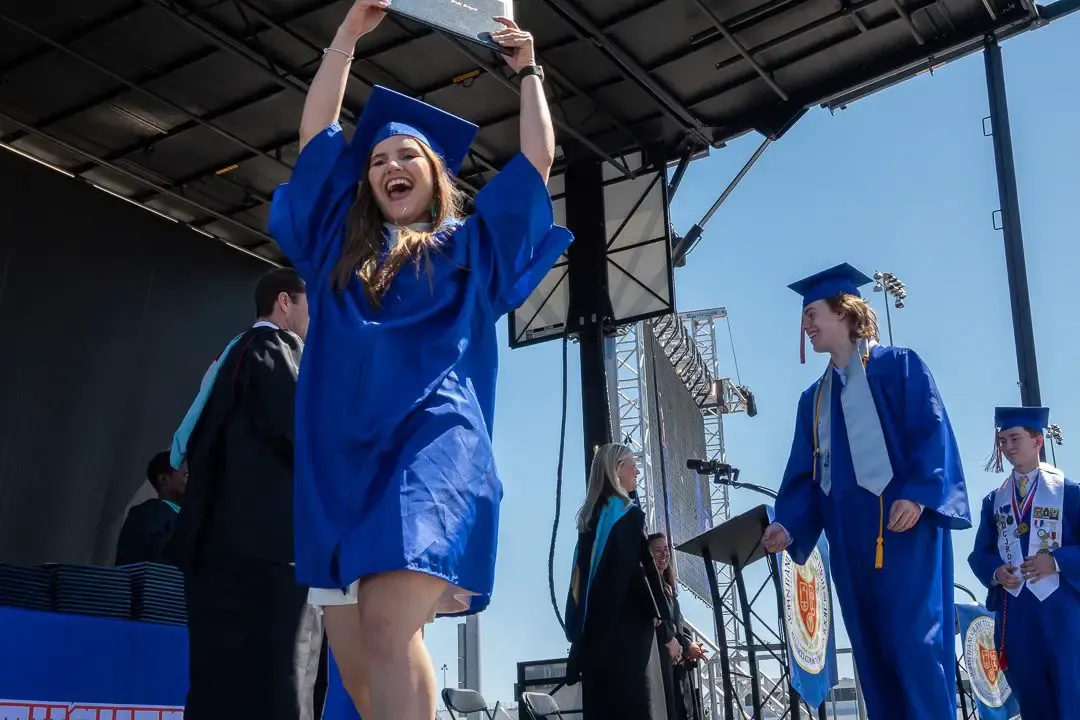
(828, 283)
(1031, 418)
(389, 113)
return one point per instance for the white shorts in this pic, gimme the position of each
(454, 600)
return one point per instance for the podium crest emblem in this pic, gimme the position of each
(807, 610)
(806, 590)
(980, 656)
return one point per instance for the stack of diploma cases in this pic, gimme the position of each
(81, 590)
(25, 587)
(157, 594)
(147, 592)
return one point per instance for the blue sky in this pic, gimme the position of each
(902, 181)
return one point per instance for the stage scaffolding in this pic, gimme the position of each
(689, 342)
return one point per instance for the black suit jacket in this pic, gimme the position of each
(238, 506)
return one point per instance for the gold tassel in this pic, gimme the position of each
(879, 557)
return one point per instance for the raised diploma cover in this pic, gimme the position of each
(467, 19)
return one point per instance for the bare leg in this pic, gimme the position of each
(379, 647)
(342, 623)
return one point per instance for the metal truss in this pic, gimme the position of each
(634, 412)
(689, 342)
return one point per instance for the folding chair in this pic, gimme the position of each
(464, 702)
(541, 706)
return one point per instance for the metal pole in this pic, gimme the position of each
(721, 637)
(860, 703)
(590, 304)
(1023, 334)
(888, 317)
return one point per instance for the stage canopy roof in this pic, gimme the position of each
(190, 107)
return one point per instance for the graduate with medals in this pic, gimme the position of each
(1027, 552)
(874, 464)
(397, 494)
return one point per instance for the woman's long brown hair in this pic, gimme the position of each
(364, 228)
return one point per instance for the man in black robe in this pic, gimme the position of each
(149, 525)
(254, 640)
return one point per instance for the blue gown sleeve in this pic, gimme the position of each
(1068, 556)
(984, 559)
(935, 474)
(308, 213)
(798, 501)
(519, 242)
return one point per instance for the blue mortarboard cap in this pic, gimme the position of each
(1032, 418)
(829, 283)
(389, 113)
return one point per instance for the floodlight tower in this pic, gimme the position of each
(1054, 436)
(892, 287)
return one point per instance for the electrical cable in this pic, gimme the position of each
(558, 485)
(731, 341)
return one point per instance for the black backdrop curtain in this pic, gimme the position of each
(110, 316)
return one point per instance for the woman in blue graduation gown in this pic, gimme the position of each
(618, 620)
(1027, 553)
(397, 495)
(874, 464)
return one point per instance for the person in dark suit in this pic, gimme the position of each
(149, 525)
(254, 641)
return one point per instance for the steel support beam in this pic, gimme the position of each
(671, 105)
(138, 88)
(1059, 9)
(29, 129)
(84, 30)
(1019, 297)
(906, 17)
(723, 30)
(289, 80)
(590, 304)
(566, 128)
(111, 95)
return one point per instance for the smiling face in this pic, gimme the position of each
(827, 329)
(401, 178)
(661, 553)
(1021, 446)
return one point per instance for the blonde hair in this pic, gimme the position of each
(861, 318)
(364, 229)
(603, 481)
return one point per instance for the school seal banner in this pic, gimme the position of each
(808, 618)
(988, 684)
(806, 610)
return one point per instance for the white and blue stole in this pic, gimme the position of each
(1044, 532)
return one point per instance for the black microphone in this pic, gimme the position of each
(709, 467)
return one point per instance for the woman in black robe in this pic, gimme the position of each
(616, 611)
(684, 699)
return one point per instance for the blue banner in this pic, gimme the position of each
(988, 684)
(810, 623)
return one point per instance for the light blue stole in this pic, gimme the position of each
(869, 453)
(178, 452)
(577, 602)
